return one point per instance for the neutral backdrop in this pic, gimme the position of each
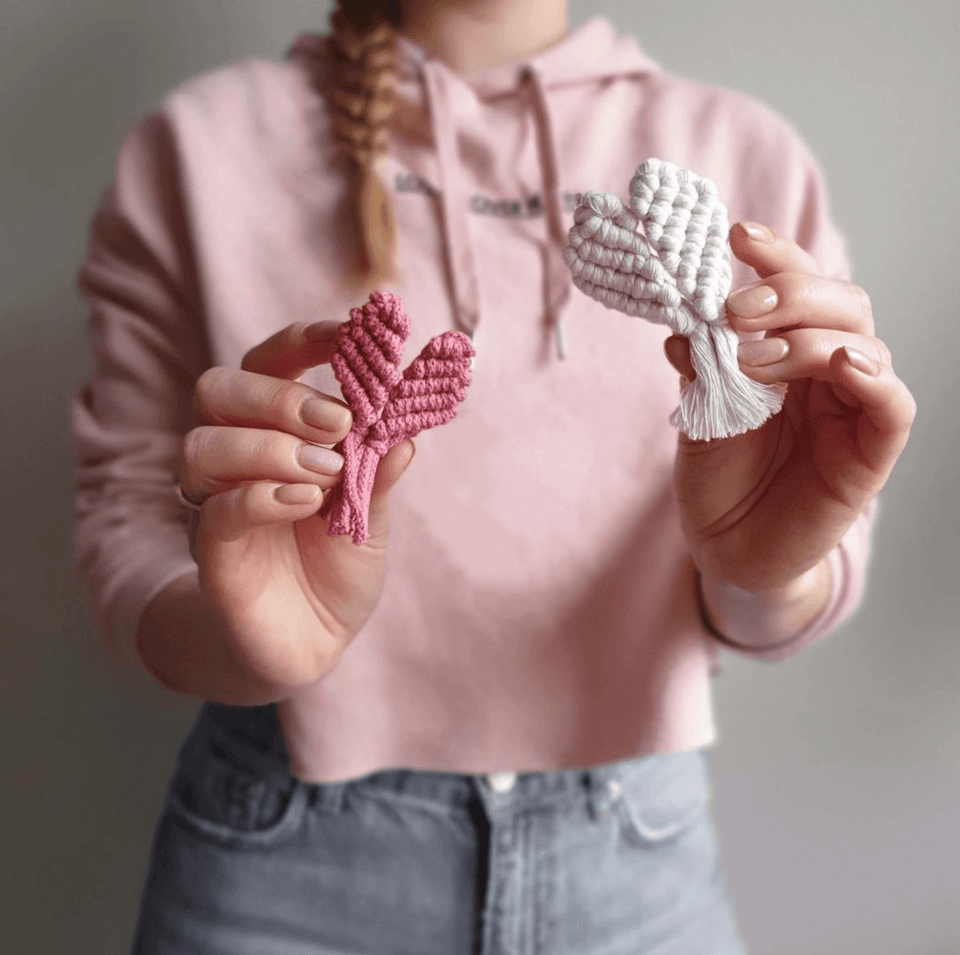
(837, 774)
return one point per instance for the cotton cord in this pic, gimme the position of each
(386, 406)
(666, 259)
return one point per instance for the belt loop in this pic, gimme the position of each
(604, 789)
(327, 797)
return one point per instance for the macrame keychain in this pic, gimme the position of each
(386, 407)
(666, 259)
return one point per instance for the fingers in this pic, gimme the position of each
(794, 299)
(391, 467)
(768, 253)
(217, 458)
(859, 371)
(260, 428)
(889, 408)
(789, 296)
(803, 353)
(677, 349)
(294, 349)
(791, 293)
(259, 458)
(250, 400)
(232, 514)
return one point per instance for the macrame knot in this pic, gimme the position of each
(386, 406)
(666, 259)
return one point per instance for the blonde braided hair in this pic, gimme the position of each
(362, 100)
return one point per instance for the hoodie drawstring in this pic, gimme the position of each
(558, 279)
(461, 262)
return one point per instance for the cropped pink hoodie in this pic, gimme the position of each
(540, 607)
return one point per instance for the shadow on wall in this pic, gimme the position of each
(90, 756)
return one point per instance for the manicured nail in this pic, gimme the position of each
(763, 352)
(861, 362)
(321, 460)
(752, 301)
(323, 414)
(297, 493)
(757, 232)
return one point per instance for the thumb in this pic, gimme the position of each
(389, 471)
(677, 349)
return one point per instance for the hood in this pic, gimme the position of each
(589, 54)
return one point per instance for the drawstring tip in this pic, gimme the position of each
(561, 344)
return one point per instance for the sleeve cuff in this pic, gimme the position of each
(762, 636)
(132, 599)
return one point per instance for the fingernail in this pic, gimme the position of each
(861, 362)
(321, 460)
(752, 301)
(763, 352)
(327, 415)
(757, 232)
(296, 493)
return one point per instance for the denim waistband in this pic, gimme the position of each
(256, 731)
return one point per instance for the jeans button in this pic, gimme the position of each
(501, 782)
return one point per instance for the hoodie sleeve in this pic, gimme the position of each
(783, 187)
(128, 419)
(848, 565)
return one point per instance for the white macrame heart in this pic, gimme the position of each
(666, 259)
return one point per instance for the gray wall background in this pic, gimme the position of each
(837, 773)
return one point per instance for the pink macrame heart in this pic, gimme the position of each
(387, 407)
(666, 259)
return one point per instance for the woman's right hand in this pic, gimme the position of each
(291, 596)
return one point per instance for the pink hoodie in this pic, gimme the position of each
(539, 610)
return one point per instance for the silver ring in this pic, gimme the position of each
(184, 500)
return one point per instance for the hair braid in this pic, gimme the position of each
(362, 98)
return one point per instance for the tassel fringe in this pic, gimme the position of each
(722, 401)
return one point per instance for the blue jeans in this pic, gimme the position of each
(247, 859)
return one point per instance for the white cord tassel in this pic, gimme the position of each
(666, 259)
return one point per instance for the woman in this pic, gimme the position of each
(485, 729)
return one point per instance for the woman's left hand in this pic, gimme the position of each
(762, 508)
